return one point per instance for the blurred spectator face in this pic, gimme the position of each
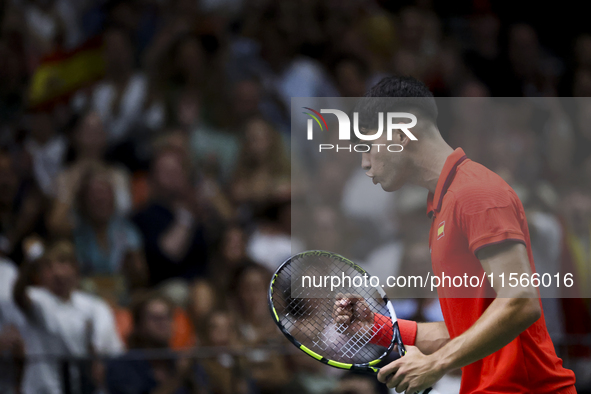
(485, 29)
(450, 65)
(220, 329)
(169, 175)
(155, 326)
(99, 199)
(412, 28)
(176, 139)
(326, 230)
(407, 63)
(245, 99)
(59, 274)
(90, 138)
(350, 79)
(524, 49)
(234, 244)
(118, 53)
(469, 113)
(45, 276)
(189, 108)
(65, 276)
(189, 59)
(8, 180)
(258, 138)
(252, 292)
(202, 299)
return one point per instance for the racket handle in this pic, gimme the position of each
(426, 391)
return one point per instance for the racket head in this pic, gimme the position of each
(306, 318)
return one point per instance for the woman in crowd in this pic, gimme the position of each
(249, 299)
(108, 246)
(228, 370)
(262, 169)
(89, 143)
(150, 366)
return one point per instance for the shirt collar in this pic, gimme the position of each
(452, 162)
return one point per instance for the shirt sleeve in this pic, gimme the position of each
(106, 339)
(43, 309)
(490, 218)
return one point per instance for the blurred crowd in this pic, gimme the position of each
(145, 178)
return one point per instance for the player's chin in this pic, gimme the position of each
(391, 186)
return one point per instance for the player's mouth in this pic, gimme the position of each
(374, 180)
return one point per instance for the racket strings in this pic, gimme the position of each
(306, 308)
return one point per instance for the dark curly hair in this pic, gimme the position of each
(396, 94)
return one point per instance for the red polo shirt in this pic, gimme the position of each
(472, 207)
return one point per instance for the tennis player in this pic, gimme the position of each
(498, 336)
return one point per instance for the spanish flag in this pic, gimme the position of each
(441, 230)
(62, 73)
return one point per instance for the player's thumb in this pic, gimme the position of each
(411, 349)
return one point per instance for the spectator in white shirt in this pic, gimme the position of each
(119, 99)
(47, 149)
(71, 322)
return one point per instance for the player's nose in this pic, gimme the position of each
(365, 162)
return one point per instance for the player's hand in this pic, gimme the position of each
(353, 311)
(412, 373)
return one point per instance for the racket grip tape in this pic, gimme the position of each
(426, 391)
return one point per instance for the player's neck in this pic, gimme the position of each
(430, 163)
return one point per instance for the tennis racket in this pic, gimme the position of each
(304, 298)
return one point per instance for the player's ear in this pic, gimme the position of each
(401, 138)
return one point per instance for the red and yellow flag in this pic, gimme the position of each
(62, 73)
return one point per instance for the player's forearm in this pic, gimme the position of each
(500, 324)
(431, 336)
